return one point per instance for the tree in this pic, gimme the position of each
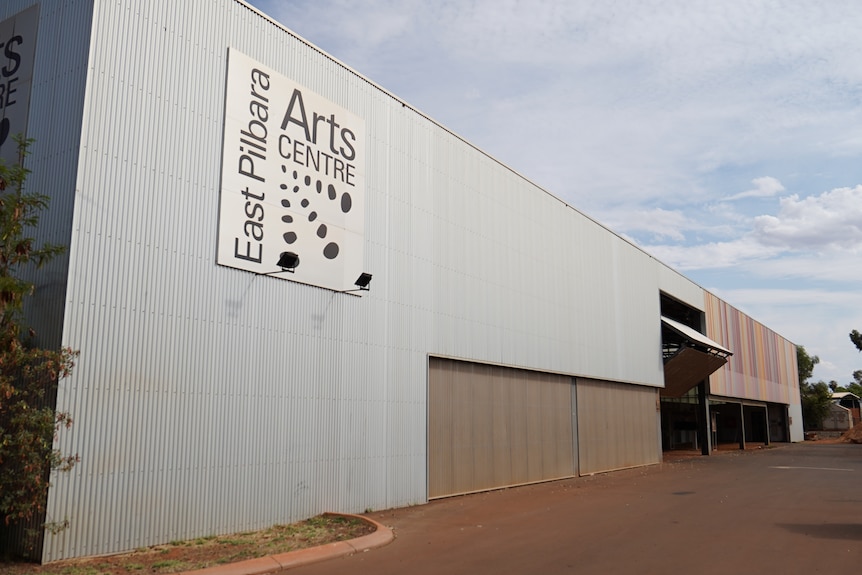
(816, 397)
(805, 364)
(855, 387)
(28, 375)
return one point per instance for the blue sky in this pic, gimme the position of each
(723, 137)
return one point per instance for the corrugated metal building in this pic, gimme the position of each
(188, 148)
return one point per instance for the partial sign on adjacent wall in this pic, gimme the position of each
(17, 58)
(293, 179)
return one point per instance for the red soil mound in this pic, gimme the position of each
(853, 435)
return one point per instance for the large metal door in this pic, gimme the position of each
(491, 427)
(618, 425)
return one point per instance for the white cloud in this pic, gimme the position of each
(726, 218)
(659, 224)
(836, 269)
(712, 255)
(765, 187)
(794, 239)
(611, 105)
(830, 221)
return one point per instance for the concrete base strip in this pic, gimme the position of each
(274, 563)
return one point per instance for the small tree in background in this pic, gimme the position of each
(855, 386)
(815, 397)
(28, 375)
(805, 364)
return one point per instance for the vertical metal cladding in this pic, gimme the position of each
(55, 126)
(763, 364)
(211, 400)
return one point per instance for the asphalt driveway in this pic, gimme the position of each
(789, 509)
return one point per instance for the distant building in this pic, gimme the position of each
(293, 292)
(844, 412)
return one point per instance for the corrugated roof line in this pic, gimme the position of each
(461, 138)
(439, 125)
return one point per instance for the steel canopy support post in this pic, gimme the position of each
(703, 419)
(741, 426)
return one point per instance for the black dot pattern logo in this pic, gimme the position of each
(292, 182)
(305, 196)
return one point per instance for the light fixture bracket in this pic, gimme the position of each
(362, 283)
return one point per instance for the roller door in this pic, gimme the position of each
(618, 426)
(492, 427)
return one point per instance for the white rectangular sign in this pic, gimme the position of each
(293, 179)
(17, 58)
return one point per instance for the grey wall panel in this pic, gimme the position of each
(56, 105)
(208, 400)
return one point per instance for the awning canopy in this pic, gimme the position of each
(695, 337)
(695, 359)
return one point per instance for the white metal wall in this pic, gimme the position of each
(683, 289)
(208, 400)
